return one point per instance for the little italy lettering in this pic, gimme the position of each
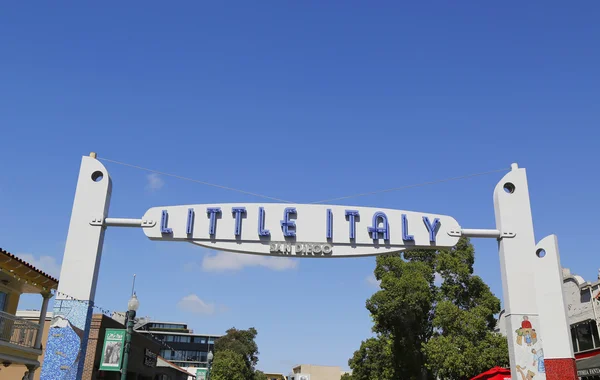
(303, 230)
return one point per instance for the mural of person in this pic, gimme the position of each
(526, 324)
(528, 376)
(533, 336)
(526, 333)
(538, 358)
(519, 333)
(528, 339)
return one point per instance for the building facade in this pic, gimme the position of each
(315, 372)
(21, 339)
(182, 346)
(275, 376)
(583, 310)
(138, 367)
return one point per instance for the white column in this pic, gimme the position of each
(558, 346)
(518, 268)
(83, 250)
(42, 320)
(79, 274)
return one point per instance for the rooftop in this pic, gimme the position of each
(143, 323)
(174, 332)
(33, 314)
(162, 362)
(31, 277)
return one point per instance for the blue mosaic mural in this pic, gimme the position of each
(67, 340)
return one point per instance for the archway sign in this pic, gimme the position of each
(537, 327)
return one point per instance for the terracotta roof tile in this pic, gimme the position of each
(6, 253)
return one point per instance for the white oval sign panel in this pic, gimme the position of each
(300, 230)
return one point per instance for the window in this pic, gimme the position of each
(178, 338)
(167, 326)
(586, 295)
(203, 357)
(585, 336)
(199, 339)
(211, 340)
(3, 301)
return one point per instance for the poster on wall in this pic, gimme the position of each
(112, 351)
(201, 373)
(149, 358)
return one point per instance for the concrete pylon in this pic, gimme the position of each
(68, 335)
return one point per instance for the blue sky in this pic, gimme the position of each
(302, 101)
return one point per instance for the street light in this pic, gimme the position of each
(210, 360)
(132, 307)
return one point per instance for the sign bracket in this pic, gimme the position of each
(481, 233)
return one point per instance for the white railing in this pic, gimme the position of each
(17, 330)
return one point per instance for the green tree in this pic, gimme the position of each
(241, 342)
(431, 329)
(372, 361)
(259, 375)
(463, 343)
(346, 376)
(228, 365)
(402, 309)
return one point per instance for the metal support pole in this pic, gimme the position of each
(130, 322)
(123, 222)
(210, 361)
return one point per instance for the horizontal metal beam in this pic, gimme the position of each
(122, 222)
(481, 233)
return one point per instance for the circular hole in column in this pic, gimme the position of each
(509, 187)
(97, 176)
(540, 253)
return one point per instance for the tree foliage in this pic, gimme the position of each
(427, 329)
(372, 361)
(346, 376)
(259, 375)
(242, 343)
(228, 365)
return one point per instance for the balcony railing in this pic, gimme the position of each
(17, 330)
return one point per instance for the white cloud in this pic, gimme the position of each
(155, 182)
(226, 261)
(192, 267)
(372, 281)
(193, 304)
(46, 264)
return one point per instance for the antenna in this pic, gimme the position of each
(133, 286)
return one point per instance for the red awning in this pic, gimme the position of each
(496, 373)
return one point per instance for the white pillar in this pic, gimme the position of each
(558, 346)
(517, 262)
(64, 359)
(42, 320)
